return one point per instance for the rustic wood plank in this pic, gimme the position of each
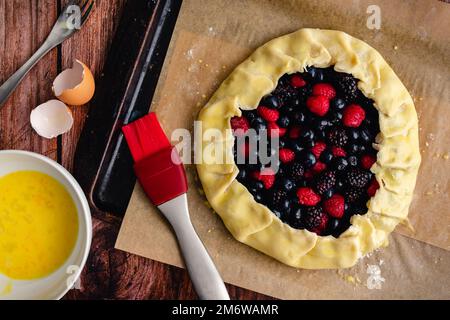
(90, 45)
(114, 274)
(24, 25)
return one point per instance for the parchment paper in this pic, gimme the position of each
(211, 38)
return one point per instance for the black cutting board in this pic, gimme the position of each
(103, 164)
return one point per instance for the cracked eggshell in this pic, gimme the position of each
(51, 119)
(75, 86)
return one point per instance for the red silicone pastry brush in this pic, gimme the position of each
(161, 174)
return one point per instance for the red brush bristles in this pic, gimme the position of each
(145, 137)
(157, 164)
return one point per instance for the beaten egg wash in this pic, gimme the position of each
(38, 225)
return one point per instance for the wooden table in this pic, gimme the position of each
(24, 24)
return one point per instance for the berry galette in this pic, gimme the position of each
(344, 132)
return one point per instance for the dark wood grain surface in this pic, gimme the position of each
(24, 24)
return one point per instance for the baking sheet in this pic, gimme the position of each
(211, 38)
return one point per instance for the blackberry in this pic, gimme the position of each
(357, 177)
(353, 194)
(338, 137)
(304, 93)
(325, 182)
(348, 87)
(296, 171)
(278, 198)
(284, 91)
(313, 217)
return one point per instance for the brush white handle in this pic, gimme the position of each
(206, 279)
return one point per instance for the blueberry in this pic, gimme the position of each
(335, 117)
(258, 197)
(285, 206)
(250, 115)
(365, 136)
(315, 73)
(333, 224)
(272, 102)
(289, 109)
(328, 194)
(362, 149)
(326, 156)
(295, 219)
(308, 143)
(353, 161)
(295, 102)
(259, 124)
(242, 175)
(321, 134)
(287, 184)
(255, 186)
(277, 213)
(307, 135)
(353, 148)
(340, 184)
(295, 146)
(283, 121)
(337, 104)
(339, 164)
(303, 183)
(299, 117)
(321, 122)
(308, 159)
(353, 134)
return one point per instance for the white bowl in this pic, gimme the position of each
(56, 285)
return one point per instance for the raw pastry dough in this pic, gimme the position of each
(396, 167)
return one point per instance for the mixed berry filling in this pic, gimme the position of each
(326, 129)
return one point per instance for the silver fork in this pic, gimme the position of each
(71, 19)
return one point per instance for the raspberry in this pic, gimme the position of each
(338, 137)
(367, 161)
(353, 116)
(318, 105)
(266, 176)
(324, 89)
(353, 194)
(296, 171)
(274, 130)
(307, 197)
(318, 148)
(297, 81)
(319, 167)
(268, 114)
(357, 177)
(373, 187)
(316, 219)
(335, 206)
(286, 155)
(239, 123)
(294, 132)
(338, 152)
(325, 182)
